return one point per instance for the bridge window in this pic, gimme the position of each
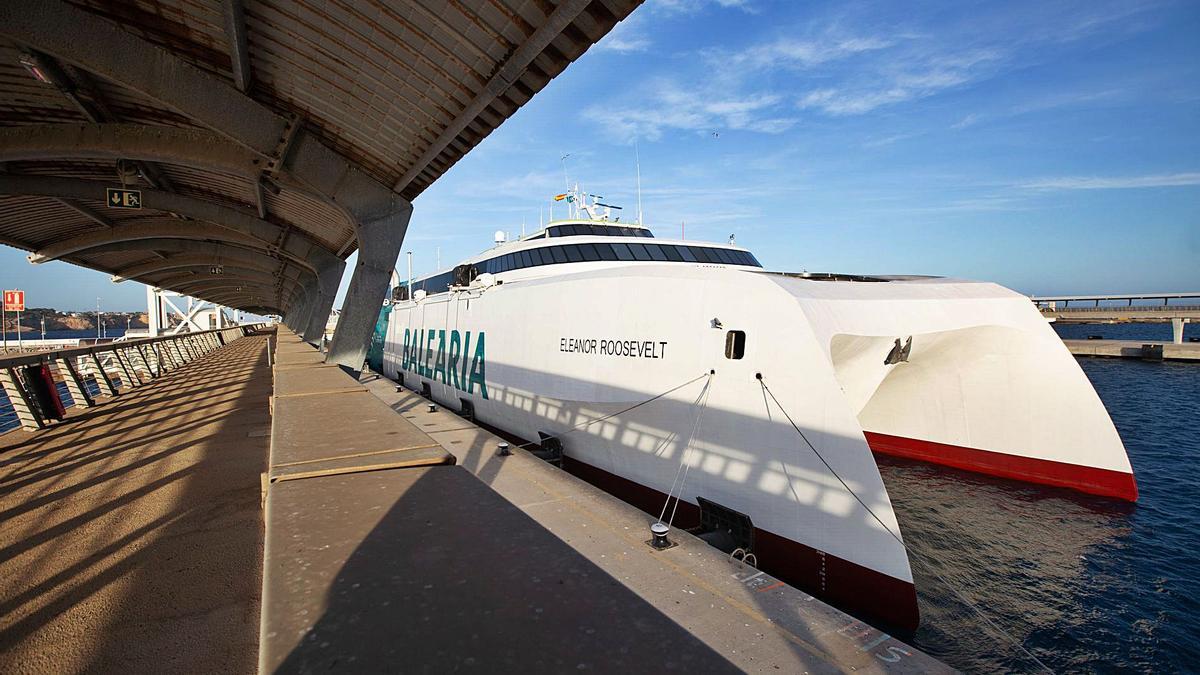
(551, 255)
(580, 229)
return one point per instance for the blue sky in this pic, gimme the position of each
(1050, 147)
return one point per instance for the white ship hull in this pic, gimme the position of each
(985, 382)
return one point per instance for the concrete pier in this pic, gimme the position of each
(130, 534)
(1136, 349)
(742, 616)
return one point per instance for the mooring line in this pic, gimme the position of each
(895, 536)
(582, 425)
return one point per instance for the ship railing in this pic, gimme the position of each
(40, 386)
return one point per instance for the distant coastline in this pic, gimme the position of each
(31, 320)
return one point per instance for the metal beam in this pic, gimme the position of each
(85, 40)
(146, 231)
(187, 284)
(250, 261)
(260, 201)
(94, 108)
(505, 76)
(247, 228)
(186, 276)
(83, 210)
(235, 31)
(194, 148)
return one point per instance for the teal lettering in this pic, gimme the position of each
(404, 351)
(417, 348)
(465, 362)
(439, 366)
(429, 352)
(452, 362)
(477, 370)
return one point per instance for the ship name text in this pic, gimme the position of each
(637, 349)
(445, 355)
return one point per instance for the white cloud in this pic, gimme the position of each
(800, 53)
(901, 78)
(670, 107)
(693, 6)
(1115, 183)
(627, 37)
(969, 120)
(889, 140)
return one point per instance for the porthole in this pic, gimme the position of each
(735, 344)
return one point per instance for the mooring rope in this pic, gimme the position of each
(588, 423)
(683, 463)
(896, 536)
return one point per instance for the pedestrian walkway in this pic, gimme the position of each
(131, 534)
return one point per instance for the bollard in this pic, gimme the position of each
(658, 536)
(503, 450)
(432, 407)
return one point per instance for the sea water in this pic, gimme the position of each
(1085, 584)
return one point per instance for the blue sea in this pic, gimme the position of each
(1084, 584)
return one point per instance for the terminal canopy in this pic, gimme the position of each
(240, 150)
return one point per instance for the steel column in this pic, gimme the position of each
(379, 244)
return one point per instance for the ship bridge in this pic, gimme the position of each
(240, 151)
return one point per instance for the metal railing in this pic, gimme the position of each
(1155, 309)
(31, 380)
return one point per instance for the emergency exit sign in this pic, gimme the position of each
(120, 198)
(14, 301)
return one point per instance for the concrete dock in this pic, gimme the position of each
(746, 617)
(1136, 349)
(133, 540)
(131, 534)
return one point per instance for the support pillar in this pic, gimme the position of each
(328, 279)
(379, 244)
(154, 313)
(1177, 330)
(304, 310)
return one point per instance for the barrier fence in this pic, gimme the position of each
(31, 381)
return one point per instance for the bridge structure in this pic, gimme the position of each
(1178, 308)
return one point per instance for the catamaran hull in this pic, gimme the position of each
(773, 429)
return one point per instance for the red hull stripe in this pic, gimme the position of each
(861, 591)
(1103, 482)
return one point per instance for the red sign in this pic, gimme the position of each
(14, 301)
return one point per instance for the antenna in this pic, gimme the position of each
(682, 230)
(566, 181)
(522, 227)
(638, 158)
(410, 273)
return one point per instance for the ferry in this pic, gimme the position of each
(747, 404)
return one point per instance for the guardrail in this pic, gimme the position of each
(30, 380)
(1158, 309)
